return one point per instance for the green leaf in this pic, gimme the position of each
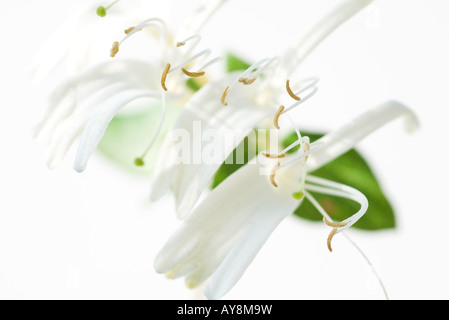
(234, 63)
(350, 169)
(129, 134)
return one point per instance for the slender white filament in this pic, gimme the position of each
(161, 122)
(321, 185)
(204, 53)
(323, 212)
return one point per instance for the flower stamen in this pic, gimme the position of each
(223, 97)
(273, 156)
(306, 148)
(204, 53)
(114, 49)
(308, 90)
(127, 31)
(183, 43)
(156, 23)
(329, 239)
(251, 74)
(273, 175)
(247, 81)
(290, 92)
(276, 117)
(335, 226)
(139, 162)
(164, 76)
(193, 74)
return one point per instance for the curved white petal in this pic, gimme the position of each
(240, 213)
(246, 249)
(339, 15)
(204, 115)
(87, 83)
(222, 213)
(338, 142)
(97, 125)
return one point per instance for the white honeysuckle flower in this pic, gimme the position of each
(224, 233)
(82, 106)
(240, 102)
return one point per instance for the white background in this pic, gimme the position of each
(94, 235)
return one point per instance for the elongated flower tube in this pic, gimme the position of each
(227, 229)
(240, 102)
(82, 106)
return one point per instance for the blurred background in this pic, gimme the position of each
(94, 235)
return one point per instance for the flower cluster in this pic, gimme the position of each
(224, 228)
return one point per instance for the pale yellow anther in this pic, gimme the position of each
(180, 44)
(273, 175)
(164, 76)
(247, 81)
(129, 30)
(273, 156)
(335, 226)
(193, 74)
(115, 48)
(290, 92)
(223, 97)
(329, 239)
(276, 117)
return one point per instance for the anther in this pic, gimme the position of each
(129, 30)
(223, 97)
(247, 81)
(193, 74)
(180, 44)
(276, 117)
(329, 239)
(115, 48)
(273, 156)
(290, 92)
(164, 76)
(334, 224)
(273, 175)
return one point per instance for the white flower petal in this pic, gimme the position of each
(321, 31)
(338, 142)
(98, 123)
(243, 253)
(84, 85)
(61, 141)
(222, 213)
(240, 213)
(205, 114)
